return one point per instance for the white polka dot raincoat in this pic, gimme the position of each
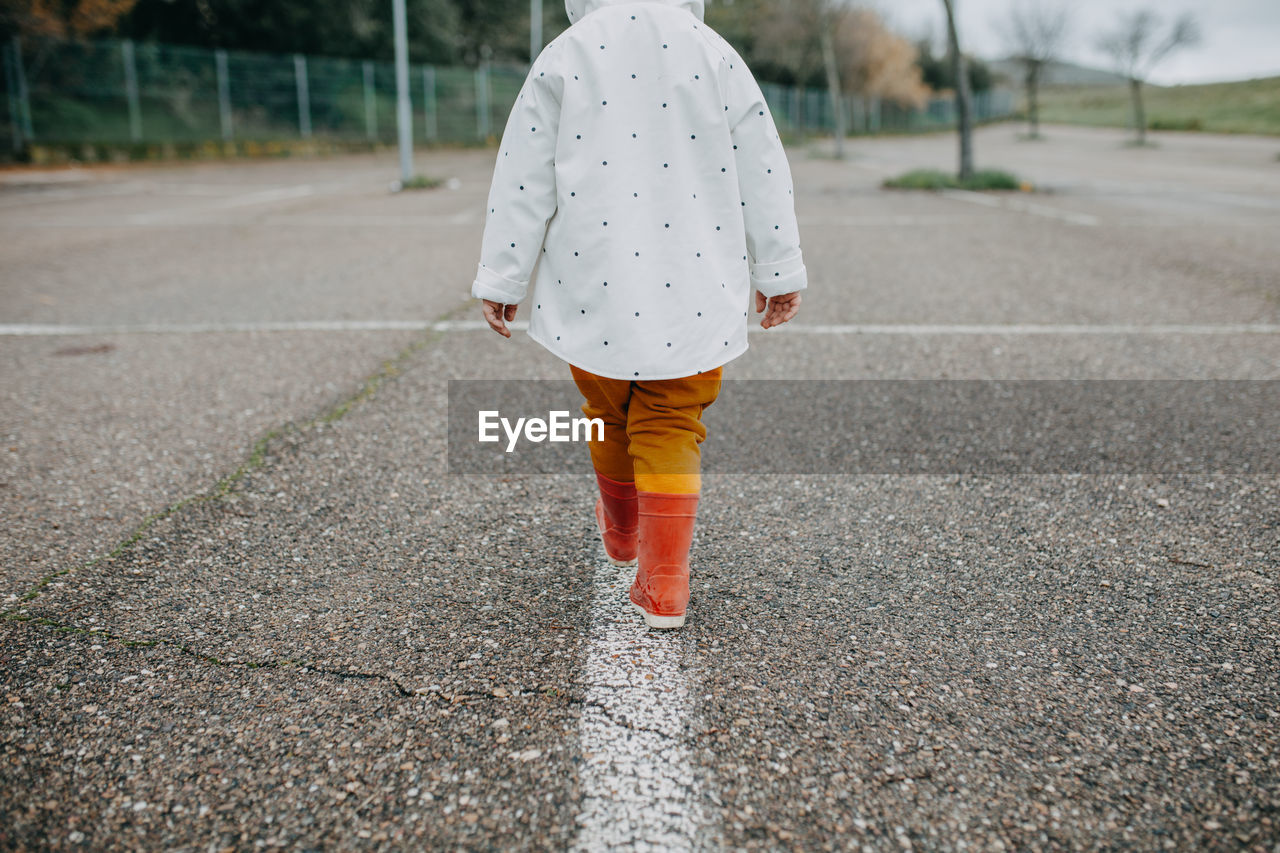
(641, 167)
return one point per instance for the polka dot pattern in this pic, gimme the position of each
(641, 162)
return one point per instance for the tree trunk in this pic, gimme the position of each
(833, 86)
(1033, 99)
(964, 98)
(1139, 112)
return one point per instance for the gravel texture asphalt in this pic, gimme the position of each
(249, 606)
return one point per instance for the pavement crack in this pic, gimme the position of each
(443, 698)
(214, 660)
(608, 712)
(1182, 561)
(401, 690)
(257, 458)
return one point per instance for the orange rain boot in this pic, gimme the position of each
(661, 588)
(616, 518)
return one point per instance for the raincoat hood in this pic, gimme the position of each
(578, 9)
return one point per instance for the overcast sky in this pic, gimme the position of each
(1241, 37)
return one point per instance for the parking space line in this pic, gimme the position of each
(641, 787)
(188, 219)
(1028, 329)
(234, 202)
(20, 330)
(886, 220)
(1035, 208)
(56, 330)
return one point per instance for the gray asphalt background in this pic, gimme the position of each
(246, 605)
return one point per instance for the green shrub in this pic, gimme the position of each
(923, 179)
(1162, 123)
(993, 179)
(421, 182)
(935, 179)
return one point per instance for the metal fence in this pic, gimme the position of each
(811, 111)
(122, 93)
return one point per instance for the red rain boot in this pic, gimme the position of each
(616, 518)
(661, 588)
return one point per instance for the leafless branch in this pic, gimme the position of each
(1035, 30)
(1134, 44)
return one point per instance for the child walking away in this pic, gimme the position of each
(642, 168)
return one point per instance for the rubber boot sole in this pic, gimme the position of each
(662, 623)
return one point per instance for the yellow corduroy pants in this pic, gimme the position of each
(652, 429)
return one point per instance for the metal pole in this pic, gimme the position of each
(535, 29)
(224, 94)
(23, 115)
(370, 103)
(429, 96)
(304, 95)
(404, 108)
(482, 98)
(131, 90)
(11, 90)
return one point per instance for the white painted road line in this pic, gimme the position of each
(919, 330)
(642, 789)
(37, 329)
(168, 217)
(886, 220)
(1016, 329)
(267, 220)
(1024, 206)
(265, 197)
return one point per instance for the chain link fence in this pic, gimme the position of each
(807, 110)
(118, 93)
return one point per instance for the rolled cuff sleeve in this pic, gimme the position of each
(779, 277)
(498, 288)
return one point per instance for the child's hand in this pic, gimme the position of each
(498, 315)
(781, 308)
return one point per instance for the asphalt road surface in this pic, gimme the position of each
(247, 604)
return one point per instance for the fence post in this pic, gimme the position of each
(131, 90)
(304, 95)
(11, 95)
(24, 94)
(429, 101)
(12, 68)
(482, 99)
(370, 103)
(224, 94)
(795, 108)
(873, 114)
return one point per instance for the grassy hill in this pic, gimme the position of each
(1056, 74)
(1249, 106)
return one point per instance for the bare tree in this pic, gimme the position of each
(846, 44)
(964, 98)
(1136, 46)
(1034, 31)
(829, 21)
(799, 35)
